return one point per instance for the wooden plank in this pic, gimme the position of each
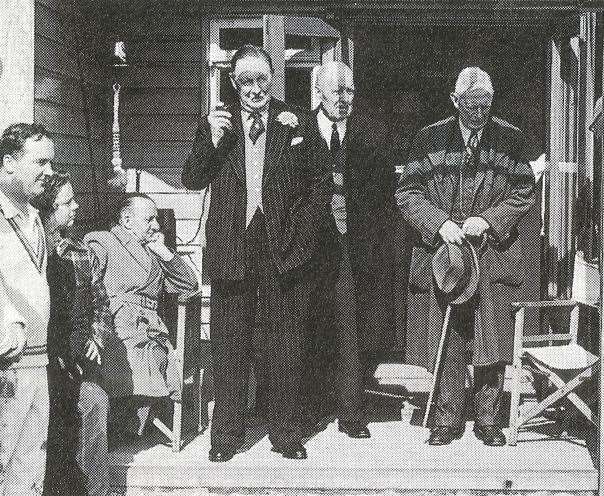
(161, 25)
(61, 119)
(274, 44)
(168, 101)
(71, 150)
(165, 51)
(80, 176)
(56, 58)
(177, 76)
(159, 127)
(155, 154)
(49, 87)
(16, 61)
(48, 23)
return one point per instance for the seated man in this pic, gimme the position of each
(136, 266)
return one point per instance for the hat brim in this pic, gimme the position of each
(470, 289)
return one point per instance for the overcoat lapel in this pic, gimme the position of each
(276, 137)
(134, 249)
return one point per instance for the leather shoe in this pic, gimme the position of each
(221, 454)
(443, 434)
(356, 430)
(490, 435)
(293, 451)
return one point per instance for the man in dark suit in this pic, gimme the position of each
(356, 270)
(261, 235)
(467, 178)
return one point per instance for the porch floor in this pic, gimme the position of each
(395, 459)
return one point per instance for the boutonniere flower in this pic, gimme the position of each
(288, 119)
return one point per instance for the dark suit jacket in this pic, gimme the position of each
(292, 193)
(369, 182)
(504, 191)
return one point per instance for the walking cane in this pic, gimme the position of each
(437, 366)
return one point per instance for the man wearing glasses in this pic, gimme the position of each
(261, 235)
(466, 179)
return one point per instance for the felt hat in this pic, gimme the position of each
(456, 271)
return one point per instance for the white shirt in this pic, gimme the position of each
(325, 126)
(465, 133)
(30, 225)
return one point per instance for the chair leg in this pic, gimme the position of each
(516, 377)
(177, 427)
(556, 395)
(573, 397)
(201, 425)
(515, 403)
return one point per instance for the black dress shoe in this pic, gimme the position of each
(293, 451)
(221, 453)
(356, 430)
(490, 435)
(442, 434)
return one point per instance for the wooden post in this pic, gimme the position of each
(274, 44)
(16, 61)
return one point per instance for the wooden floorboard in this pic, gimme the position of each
(395, 458)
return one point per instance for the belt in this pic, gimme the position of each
(139, 300)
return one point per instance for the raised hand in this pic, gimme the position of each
(219, 120)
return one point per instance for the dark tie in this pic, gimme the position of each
(334, 143)
(257, 127)
(472, 147)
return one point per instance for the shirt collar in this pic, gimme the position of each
(465, 133)
(10, 210)
(325, 126)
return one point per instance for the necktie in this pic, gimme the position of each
(334, 143)
(472, 147)
(257, 127)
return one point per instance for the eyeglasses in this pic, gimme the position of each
(69, 203)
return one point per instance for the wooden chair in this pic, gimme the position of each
(565, 363)
(175, 434)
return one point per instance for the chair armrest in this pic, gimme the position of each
(517, 305)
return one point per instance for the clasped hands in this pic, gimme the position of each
(450, 232)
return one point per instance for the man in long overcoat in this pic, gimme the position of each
(136, 267)
(261, 237)
(466, 177)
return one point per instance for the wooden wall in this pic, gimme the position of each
(71, 88)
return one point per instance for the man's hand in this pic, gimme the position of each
(16, 339)
(450, 232)
(475, 226)
(219, 120)
(92, 351)
(157, 246)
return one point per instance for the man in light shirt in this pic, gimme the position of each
(467, 179)
(27, 153)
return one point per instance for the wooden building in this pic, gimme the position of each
(546, 58)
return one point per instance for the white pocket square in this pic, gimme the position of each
(297, 140)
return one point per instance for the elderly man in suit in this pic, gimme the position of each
(27, 152)
(136, 266)
(356, 268)
(467, 178)
(261, 236)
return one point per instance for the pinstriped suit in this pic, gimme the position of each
(263, 266)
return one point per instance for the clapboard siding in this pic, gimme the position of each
(70, 100)
(162, 97)
(154, 101)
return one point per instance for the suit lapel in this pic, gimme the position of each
(320, 146)
(276, 137)
(238, 158)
